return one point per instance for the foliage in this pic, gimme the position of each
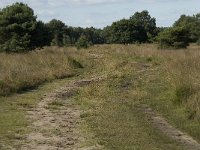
(145, 21)
(74, 63)
(198, 42)
(122, 32)
(177, 37)
(82, 43)
(41, 35)
(56, 29)
(17, 24)
(20, 31)
(138, 28)
(62, 35)
(192, 23)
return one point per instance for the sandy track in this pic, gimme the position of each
(161, 124)
(56, 128)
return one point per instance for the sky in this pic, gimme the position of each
(100, 13)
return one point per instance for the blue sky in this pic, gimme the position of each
(99, 13)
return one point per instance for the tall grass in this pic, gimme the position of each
(24, 71)
(184, 74)
(181, 67)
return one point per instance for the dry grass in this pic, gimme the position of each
(182, 71)
(184, 75)
(110, 107)
(182, 68)
(166, 80)
(25, 71)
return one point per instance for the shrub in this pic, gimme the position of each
(176, 37)
(74, 63)
(82, 43)
(198, 42)
(183, 93)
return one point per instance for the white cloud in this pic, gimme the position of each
(4, 3)
(96, 1)
(55, 3)
(100, 13)
(61, 2)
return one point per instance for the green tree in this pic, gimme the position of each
(175, 37)
(143, 21)
(121, 32)
(56, 28)
(93, 35)
(192, 23)
(66, 40)
(140, 27)
(17, 23)
(41, 36)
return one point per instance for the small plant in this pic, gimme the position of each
(74, 63)
(149, 59)
(82, 43)
(198, 42)
(183, 93)
(56, 103)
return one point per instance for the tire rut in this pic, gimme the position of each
(54, 127)
(161, 124)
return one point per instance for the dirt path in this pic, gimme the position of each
(55, 120)
(161, 124)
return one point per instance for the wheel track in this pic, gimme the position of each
(162, 125)
(56, 129)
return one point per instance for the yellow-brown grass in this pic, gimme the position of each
(166, 80)
(182, 68)
(184, 73)
(23, 71)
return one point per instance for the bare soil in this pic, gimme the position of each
(161, 124)
(55, 121)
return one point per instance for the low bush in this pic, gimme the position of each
(82, 43)
(176, 37)
(198, 42)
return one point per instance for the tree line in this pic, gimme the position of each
(20, 31)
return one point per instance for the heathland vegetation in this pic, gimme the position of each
(134, 76)
(26, 71)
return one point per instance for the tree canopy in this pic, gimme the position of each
(140, 27)
(20, 31)
(17, 24)
(176, 37)
(192, 23)
(185, 30)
